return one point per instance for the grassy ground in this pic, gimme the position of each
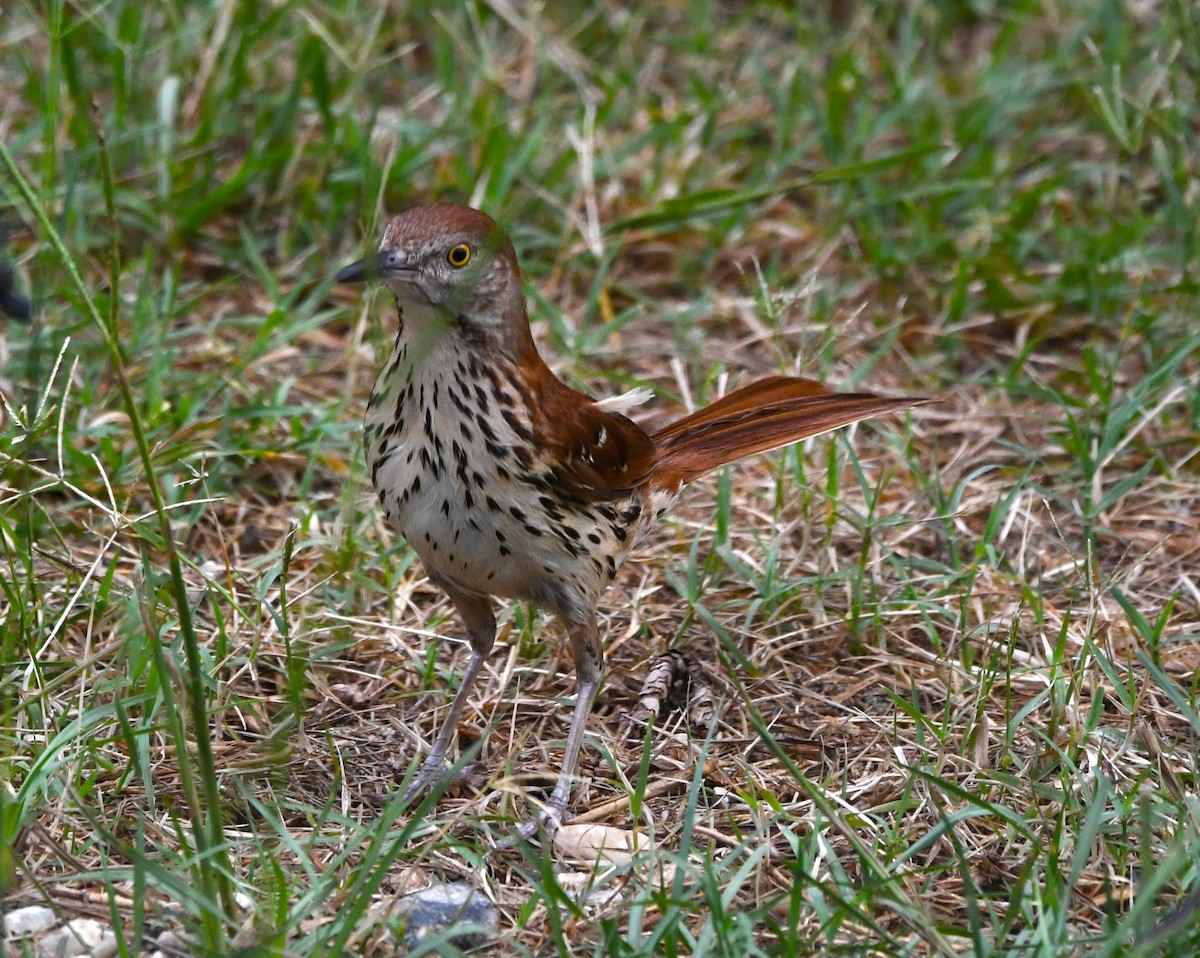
(955, 654)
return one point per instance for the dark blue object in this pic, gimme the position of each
(12, 303)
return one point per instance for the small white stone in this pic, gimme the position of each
(169, 943)
(79, 937)
(30, 920)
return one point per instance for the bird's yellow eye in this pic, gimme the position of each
(459, 255)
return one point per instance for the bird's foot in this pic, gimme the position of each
(434, 773)
(431, 771)
(546, 822)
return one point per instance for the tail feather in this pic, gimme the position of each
(757, 418)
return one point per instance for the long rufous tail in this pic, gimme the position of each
(757, 418)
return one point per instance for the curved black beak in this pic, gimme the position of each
(359, 272)
(377, 266)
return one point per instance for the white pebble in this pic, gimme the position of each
(29, 921)
(80, 937)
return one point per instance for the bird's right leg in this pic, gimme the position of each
(480, 620)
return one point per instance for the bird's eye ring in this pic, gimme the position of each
(459, 255)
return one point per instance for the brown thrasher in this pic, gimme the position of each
(506, 481)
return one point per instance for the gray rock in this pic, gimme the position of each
(31, 920)
(169, 945)
(439, 908)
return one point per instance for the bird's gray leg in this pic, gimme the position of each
(480, 620)
(589, 669)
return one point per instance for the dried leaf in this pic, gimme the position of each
(589, 843)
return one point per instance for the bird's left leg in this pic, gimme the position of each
(589, 669)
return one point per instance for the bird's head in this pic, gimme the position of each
(450, 258)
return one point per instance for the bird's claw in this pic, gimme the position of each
(545, 822)
(428, 773)
(431, 774)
